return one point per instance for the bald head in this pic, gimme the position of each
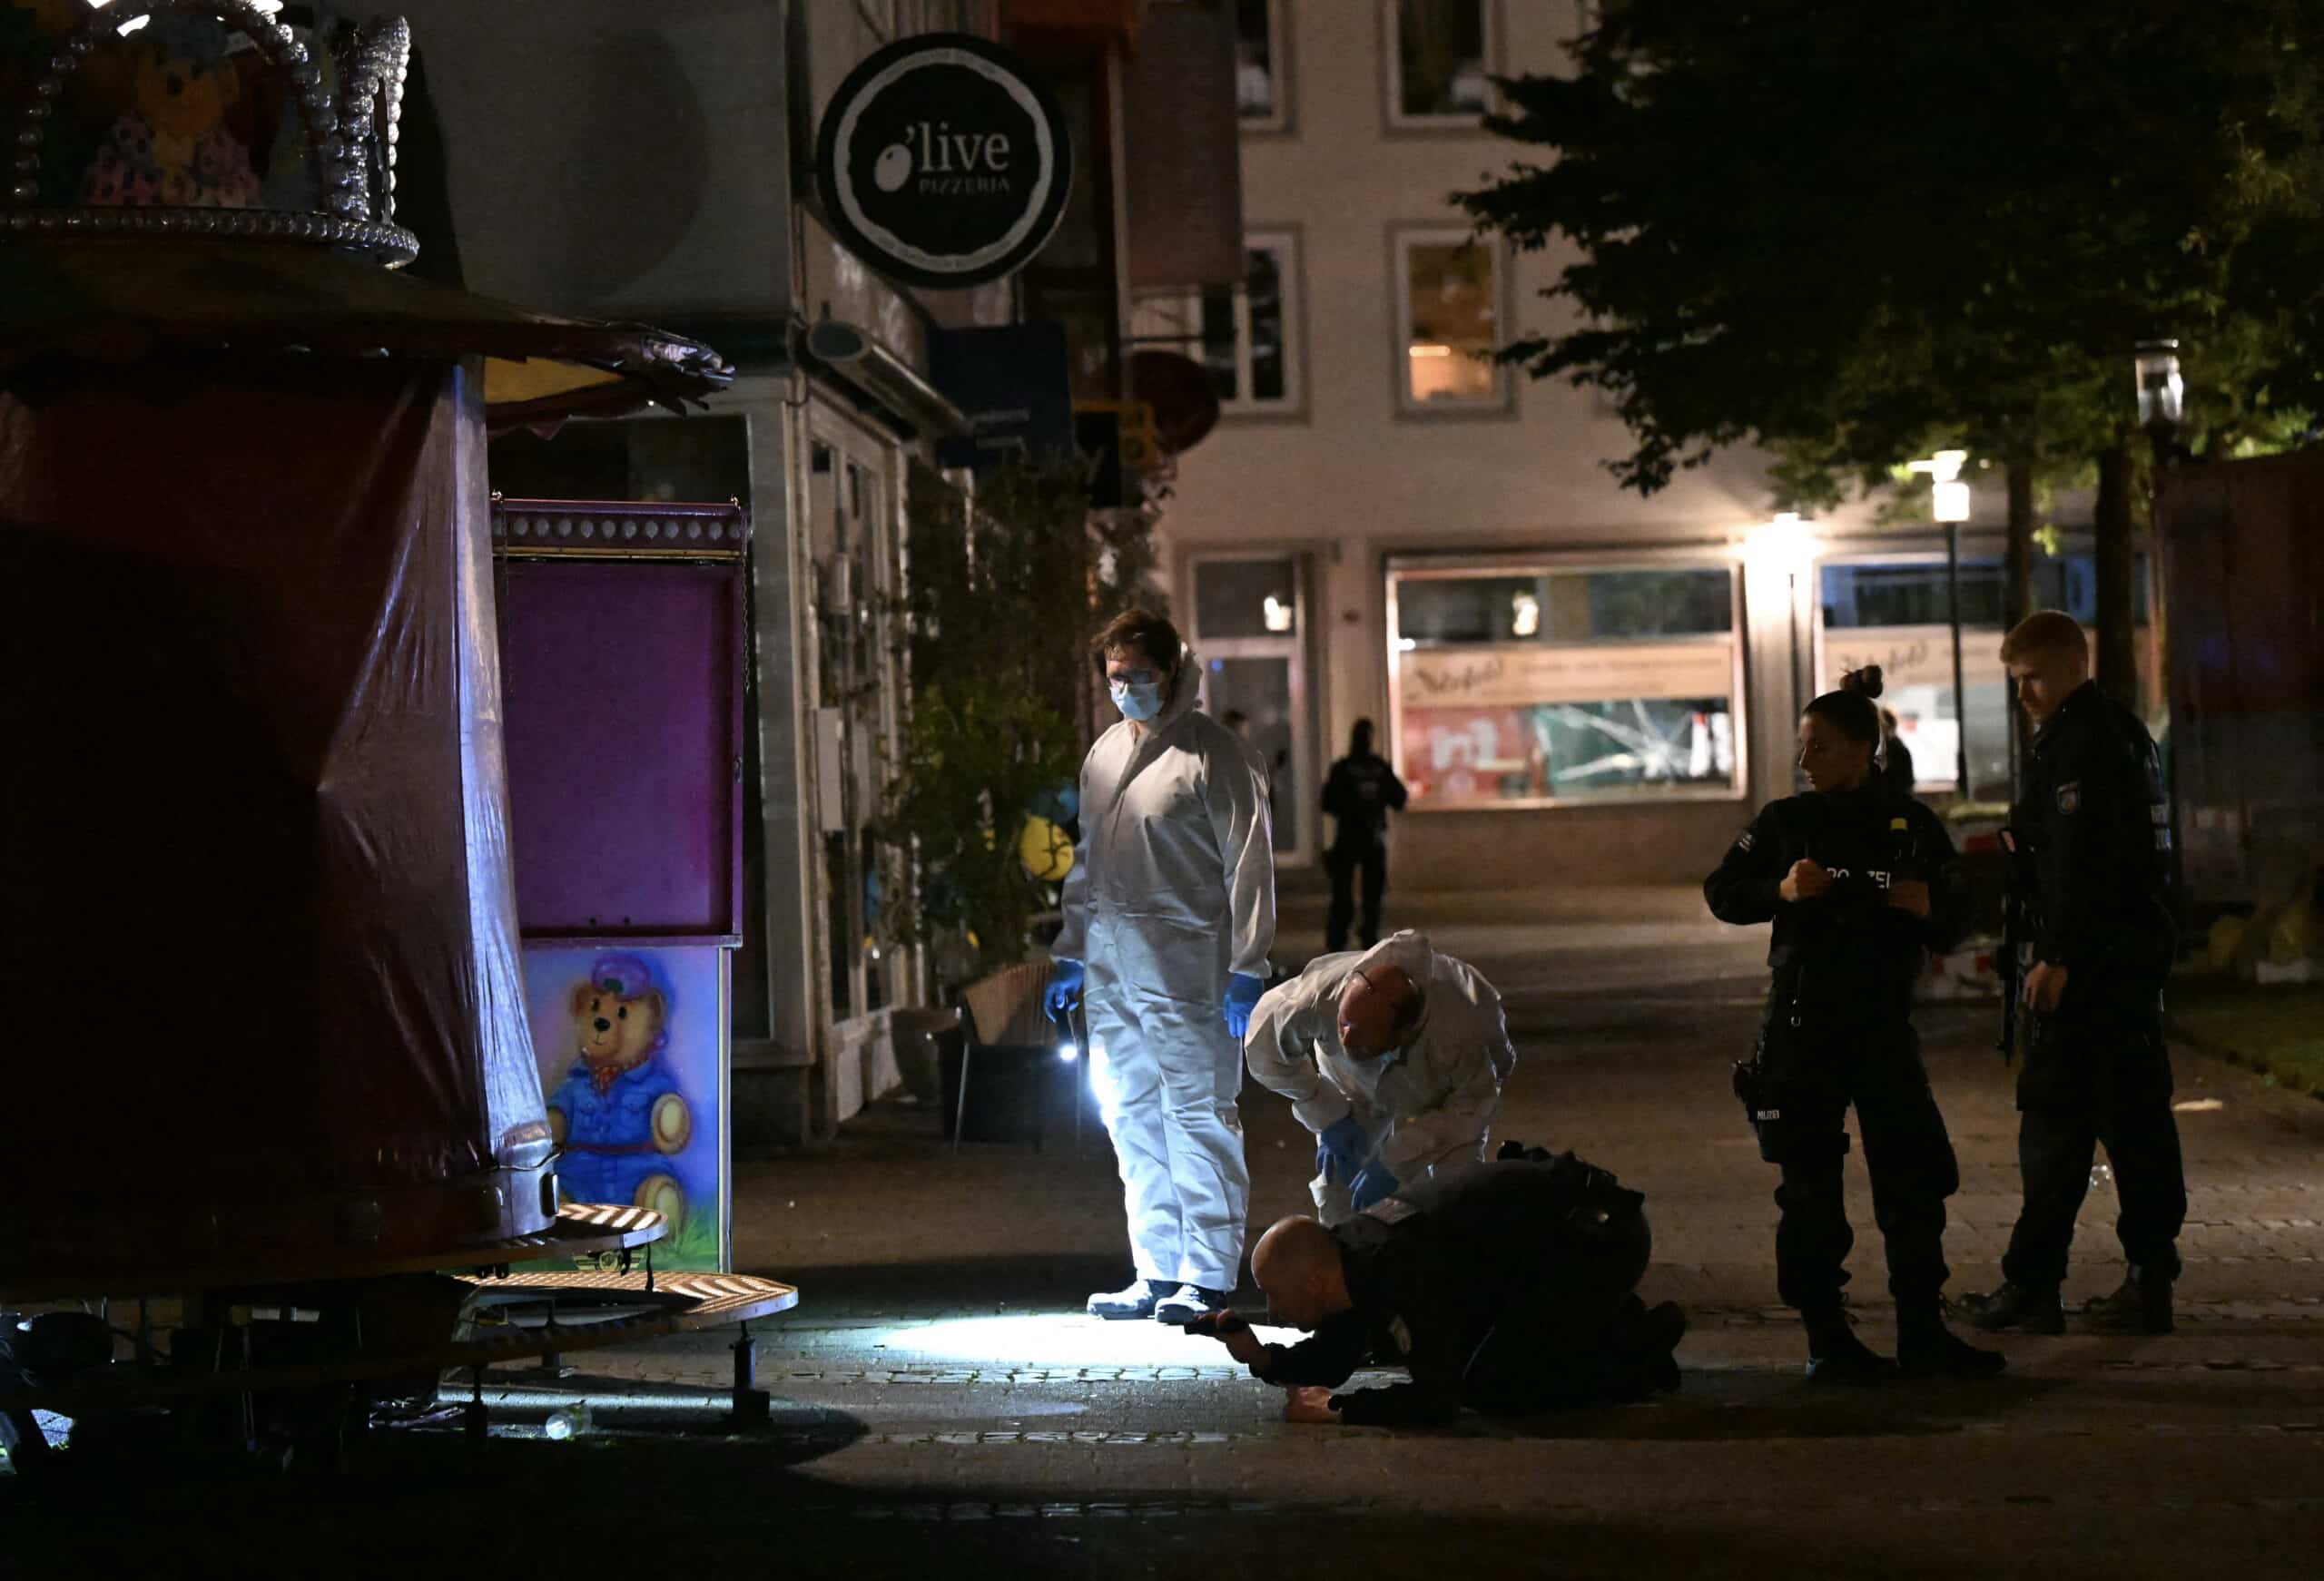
(1379, 1006)
(1297, 1265)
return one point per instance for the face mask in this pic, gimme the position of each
(1138, 700)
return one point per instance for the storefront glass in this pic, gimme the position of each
(1896, 613)
(1531, 686)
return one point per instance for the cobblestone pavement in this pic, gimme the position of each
(940, 1401)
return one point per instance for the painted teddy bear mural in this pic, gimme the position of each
(618, 1114)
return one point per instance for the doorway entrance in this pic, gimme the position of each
(1249, 631)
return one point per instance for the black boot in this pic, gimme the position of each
(2141, 1305)
(1835, 1356)
(1664, 1326)
(1925, 1347)
(2014, 1306)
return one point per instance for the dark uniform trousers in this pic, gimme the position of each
(1906, 1150)
(2097, 1072)
(1557, 1343)
(2095, 825)
(1372, 858)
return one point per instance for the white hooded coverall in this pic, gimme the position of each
(1172, 890)
(1423, 1107)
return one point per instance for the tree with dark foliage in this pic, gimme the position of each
(1848, 233)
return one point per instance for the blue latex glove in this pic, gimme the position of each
(1064, 991)
(1243, 991)
(1340, 1149)
(1371, 1185)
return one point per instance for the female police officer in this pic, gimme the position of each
(1858, 882)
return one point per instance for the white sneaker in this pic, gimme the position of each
(1189, 1302)
(1136, 1301)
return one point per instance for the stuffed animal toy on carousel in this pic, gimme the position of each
(179, 141)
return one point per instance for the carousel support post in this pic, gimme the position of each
(473, 1419)
(552, 1364)
(246, 1402)
(351, 1423)
(753, 1405)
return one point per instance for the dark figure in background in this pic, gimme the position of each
(1361, 791)
(1858, 883)
(1896, 770)
(2092, 834)
(1505, 1287)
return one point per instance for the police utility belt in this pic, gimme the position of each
(1767, 1080)
(1596, 1201)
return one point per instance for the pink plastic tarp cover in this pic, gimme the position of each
(260, 945)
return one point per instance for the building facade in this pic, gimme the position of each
(1578, 685)
(658, 163)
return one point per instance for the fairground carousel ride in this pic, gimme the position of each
(278, 1136)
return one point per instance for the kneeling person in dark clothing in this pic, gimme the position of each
(1505, 1287)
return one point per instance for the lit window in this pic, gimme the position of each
(1247, 335)
(1448, 322)
(1438, 58)
(1529, 685)
(1236, 598)
(1262, 65)
(1897, 613)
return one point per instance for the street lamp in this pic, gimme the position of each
(2162, 404)
(1949, 503)
(2163, 395)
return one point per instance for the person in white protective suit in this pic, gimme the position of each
(1393, 1056)
(1169, 914)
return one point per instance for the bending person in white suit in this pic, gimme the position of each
(1169, 914)
(1395, 1057)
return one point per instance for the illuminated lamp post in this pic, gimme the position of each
(2163, 406)
(2162, 394)
(1949, 503)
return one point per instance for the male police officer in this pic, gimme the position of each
(2092, 835)
(1505, 1287)
(1394, 1058)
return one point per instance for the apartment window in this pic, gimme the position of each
(1527, 685)
(1438, 55)
(1262, 64)
(1247, 335)
(1448, 293)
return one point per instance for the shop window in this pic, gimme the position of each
(1533, 686)
(1448, 299)
(1245, 598)
(1438, 61)
(1263, 65)
(1247, 335)
(1896, 615)
(1910, 596)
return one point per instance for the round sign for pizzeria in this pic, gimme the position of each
(942, 162)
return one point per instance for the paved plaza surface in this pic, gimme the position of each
(941, 1403)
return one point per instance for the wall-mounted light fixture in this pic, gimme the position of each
(1525, 615)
